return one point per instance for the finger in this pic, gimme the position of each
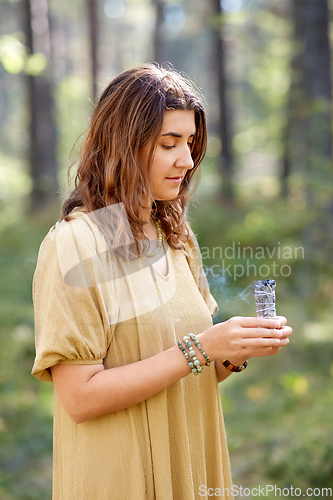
(267, 351)
(282, 320)
(263, 342)
(251, 322)
(274, 350)
(263, 351)
(284, 341)
(261, 333)
(258, 352)
(286, 331)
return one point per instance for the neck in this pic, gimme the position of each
(145, 213)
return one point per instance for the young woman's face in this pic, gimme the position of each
(172, 157)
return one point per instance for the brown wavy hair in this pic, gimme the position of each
(128, 114)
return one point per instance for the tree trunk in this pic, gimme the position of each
(93, 30)
(159, 40)
(43, 164)
(309, 150)
(225, 160)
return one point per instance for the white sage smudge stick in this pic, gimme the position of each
(264, 296)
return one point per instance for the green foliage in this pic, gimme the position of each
(278, 413)
(72, 119)
(25, 404)
(278, 419)
(15, 58)
(262, 85)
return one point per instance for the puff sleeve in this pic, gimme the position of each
(194, 260)
(73, 301)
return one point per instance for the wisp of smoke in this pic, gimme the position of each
(223, 290)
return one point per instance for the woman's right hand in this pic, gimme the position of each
(240, 338)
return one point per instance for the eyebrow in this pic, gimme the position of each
(174, 134)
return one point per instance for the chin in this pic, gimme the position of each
(167, 196)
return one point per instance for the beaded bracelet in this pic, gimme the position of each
(193, 362)
(232, 367)
(191, 358)
(197, 343)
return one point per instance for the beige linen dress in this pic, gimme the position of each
(92, 307)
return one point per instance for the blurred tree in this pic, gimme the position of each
(92, 10)
(310, 108)
(159, 39)
(43, 163)
(225, 159)
(309, 129)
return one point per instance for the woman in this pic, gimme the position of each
(121, 302)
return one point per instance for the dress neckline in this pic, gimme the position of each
(167, 255)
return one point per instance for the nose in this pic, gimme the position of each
(184, 159)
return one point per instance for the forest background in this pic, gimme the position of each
(264, 208)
